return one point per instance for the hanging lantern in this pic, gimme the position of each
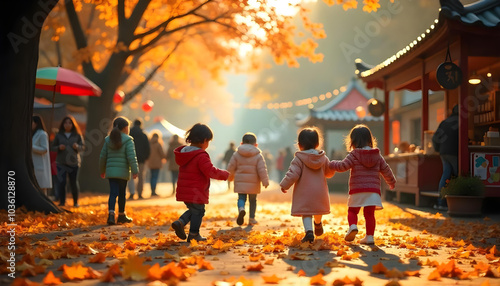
(118, 97)
(376, 107)
(360, 111)
(148, 106)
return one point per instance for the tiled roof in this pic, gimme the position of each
(485, 12)
(329, 113)
(482, 12)
(342, 115)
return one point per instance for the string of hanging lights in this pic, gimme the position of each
(289, 104)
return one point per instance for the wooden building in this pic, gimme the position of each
(468, 36)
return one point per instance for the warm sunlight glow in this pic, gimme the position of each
(287, 8)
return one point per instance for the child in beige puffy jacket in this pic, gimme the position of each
(248, 169)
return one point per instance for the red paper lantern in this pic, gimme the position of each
(148, 106)
(360, 111)
(118, 97)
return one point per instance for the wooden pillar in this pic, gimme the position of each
(387, 122)
(463, 111)
(425, 105)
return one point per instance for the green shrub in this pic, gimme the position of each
(464, 186)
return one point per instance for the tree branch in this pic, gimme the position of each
(185, 27)
(79, 35)
(139, 87)
(169, 20)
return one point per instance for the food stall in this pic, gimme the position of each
(460, 54)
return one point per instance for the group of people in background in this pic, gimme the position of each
(66, 146)
(56, 162)
(126, 151)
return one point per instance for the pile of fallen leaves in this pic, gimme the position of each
(78, 245)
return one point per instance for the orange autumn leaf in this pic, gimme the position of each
(218, 244)
(183, 251)
(102, 237)
(154, 272)
(392, 282)
(203, 264)
(434, 276)
(269, 261)
(394, 273)
(134, 269)
(317, 280)
(301, 273)
(98, 258)
(485, 283)
(74, 272)
(255, 267)
(379, 268)
(482, 267)
(172, 271)
(355, 255)
(254, 257)
(92, 273)
(271, 279)
(494, 251)
(107, 277)
(357, 282)
(243, 281)
(415, 273)
(50, 279)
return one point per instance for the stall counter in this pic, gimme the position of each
(417, 174)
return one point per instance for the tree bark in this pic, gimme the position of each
(20, 34)
(100, 114)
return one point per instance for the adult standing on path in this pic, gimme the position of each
(172, 165)
(40, 154)
(227, 157)
(68, 143)
(155, 161)
(280, 167)
(288, 157)
(445, 141)
(142, 150)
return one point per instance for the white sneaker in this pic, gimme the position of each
(367, 240)
(252, 221)
(351, 233)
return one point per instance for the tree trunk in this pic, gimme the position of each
(20, 31)
(100, 114)
(99, 119)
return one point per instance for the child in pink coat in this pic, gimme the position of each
(308, 172)
(366, 165)
(248, 167)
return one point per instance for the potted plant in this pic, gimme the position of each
(464, 196)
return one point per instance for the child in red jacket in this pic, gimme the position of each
(195, 171)
(366, 165)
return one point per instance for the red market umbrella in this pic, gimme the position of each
(65, 81)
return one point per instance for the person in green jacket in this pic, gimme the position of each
(116, 160)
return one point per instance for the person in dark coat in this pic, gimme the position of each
(445, 141)
(142, 150)
(68, 144)
(227, 157)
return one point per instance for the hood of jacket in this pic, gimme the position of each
(313, 160)
(183, 158)
(367, 157)
(248, 150)
(125, 139)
